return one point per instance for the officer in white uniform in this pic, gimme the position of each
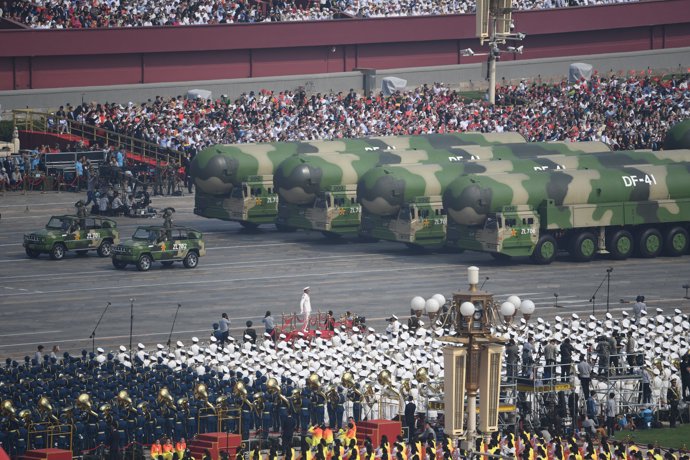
(305, 306)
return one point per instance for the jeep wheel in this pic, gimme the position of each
(105, 249)
(32, 253)
(167, 263)
(144, 263)
(192, 260)
(119, 264)
(58, 251)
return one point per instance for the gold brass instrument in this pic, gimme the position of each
(201, 393)
(84, 403)
(125, 401)
(405, 387)
(314, 384)
(332, 394)
(273, 388)
(183, 404)
(25, 416)
(349, 382)
(8, 410)
(221, 404)
(144, 408)
(241, 392)
(165, 399)
(106, 410)
(384, 379)
(46, 410)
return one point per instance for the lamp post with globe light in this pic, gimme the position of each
(473, 355)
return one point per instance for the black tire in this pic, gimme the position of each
(583, 247)
(649, 243)
(58, 251)
(499, 256)
(545, 251)
(676, 242)
(192, 260)
(144, 263)
(621, 245)
(249, 225)
(167, 263)
(119, 264)
(331, 235)
(105, 249)
(32, 253)
(285, 228)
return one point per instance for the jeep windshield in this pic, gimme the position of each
(144, 234)
(57, 223)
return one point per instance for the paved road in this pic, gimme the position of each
(246, 273)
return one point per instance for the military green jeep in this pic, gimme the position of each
(165, 244)
(73, 233)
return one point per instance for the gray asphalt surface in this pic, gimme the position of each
(246, 273)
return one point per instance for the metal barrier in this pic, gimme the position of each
(30, 120)
(51, 432)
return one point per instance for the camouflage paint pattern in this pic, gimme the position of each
(678, 137)
(163, 245)
(75, 233)
(216, 170)
(561, 204)
(416, 188)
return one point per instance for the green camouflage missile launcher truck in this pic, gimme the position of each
(318, 192)
(73, 233)
(235, 182)
(643, 210)
(404, 202)
(160, 243)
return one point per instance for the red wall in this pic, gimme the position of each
(69, 58)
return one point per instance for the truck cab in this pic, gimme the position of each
(513, 232)
(254, 202)
(335, 211)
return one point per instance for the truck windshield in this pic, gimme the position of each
(493, 222)
(144, 234)
(406, 213)
(57, 223)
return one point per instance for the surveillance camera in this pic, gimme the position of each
(521, 35)
(467, 52)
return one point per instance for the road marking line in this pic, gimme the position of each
(28, 333)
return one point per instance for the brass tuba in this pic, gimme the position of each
(273, 388)
(349, 382)
(8, 410)
(165, 399)
(384, 378)
(201, 393)
(241, 392)
(314, 384)
(25, 416)
(125, 401)
(46, 410)
(84, 404)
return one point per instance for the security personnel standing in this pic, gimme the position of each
(171, 176)
(158, 178)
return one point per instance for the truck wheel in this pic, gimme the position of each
(105, 249)
(32, 253)
(584, 246)
(649, 243)
(144, 263)
(545, 250)
(192, 260)
(676, 242)
(620, 245)
(58, 251)
(119, 264)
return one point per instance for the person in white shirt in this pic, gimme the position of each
(305, 307)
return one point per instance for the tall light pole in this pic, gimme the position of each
(473, 357)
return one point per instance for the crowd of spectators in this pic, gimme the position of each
(626, 112)
(77, 14)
